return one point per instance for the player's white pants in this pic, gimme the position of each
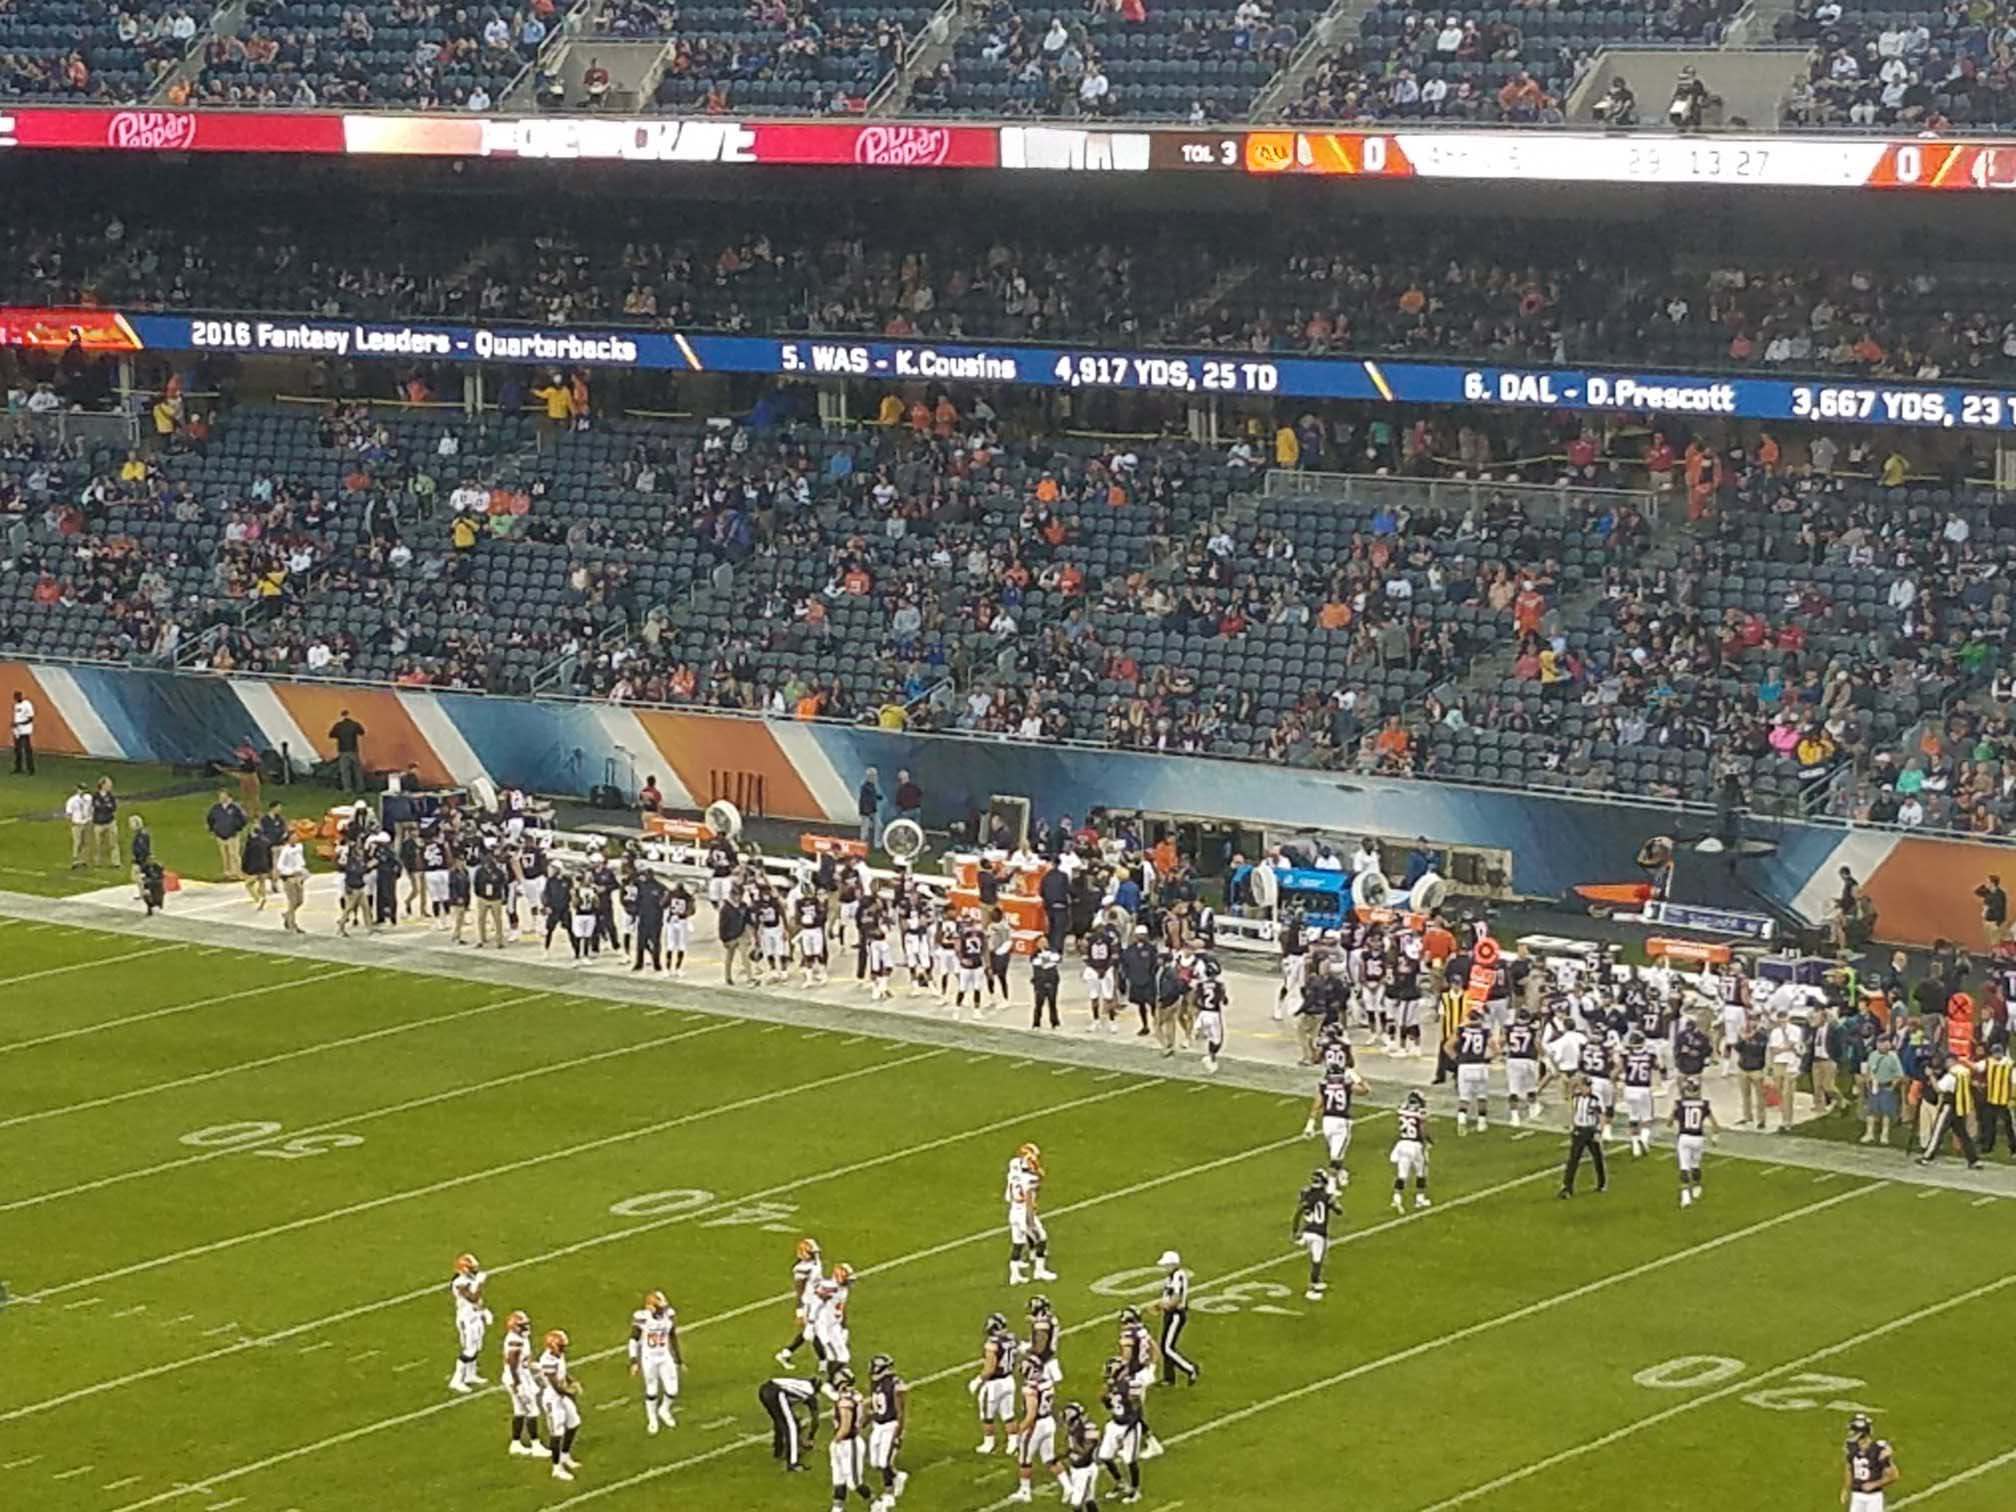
(882, 1446)
(770, 942)
(717, 890)
(1211, 1030)
(916, 953)
(1318, 1246)
(1294, 972)
(532, 894)
(878, 958)
(1337, 1136)
(437, 886)
(997, 1400)
(1689, 1147)
(1101, 986)
(1024, 1227)
(1410, 1160)
(1638, 1104)
(660, 1374)
(811, 945)
(847, 1457)
(1079, 1481)
(832, 1341)
(469, 1330)
(970, 978)
(1473, 1082)
(679, 935)
(1522, 1078)
(1039, 1444)
(562, 1412)
(524, 1399)
(1865, 1501)
(1120, 1444)
(1605, 1091)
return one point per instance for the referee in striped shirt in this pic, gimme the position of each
(1585, 1136)
(1455, 1007)
(1175, 1310)
(1953, 1084)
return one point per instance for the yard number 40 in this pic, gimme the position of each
(1804, 1392)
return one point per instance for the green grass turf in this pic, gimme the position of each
(233, 1188)
(35, 839)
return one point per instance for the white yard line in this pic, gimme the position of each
(1745, 1385)
(418, 1414)
(1974, 1473)
(174, 1008)
(344, 1122)
(1520, 1314)
(487, 1173)
(73, 1474)
(111, 960)
(314, 1325)
(199, 1077)
(121, 1485)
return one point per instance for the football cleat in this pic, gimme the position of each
(465, 1265)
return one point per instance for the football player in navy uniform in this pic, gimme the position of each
(1212, 999)
(1522, 1067)
(994, 1387)
(1641, 1069)
(678, 924)
(1294, 964)
(873, 924)
(1043, 1335)
(1473, 1072)
(1120, 1444)
(888, 1415)
(1871, 1468)
(847, 1450)
(1081, 1460)
(1410, 1151)
(971, 953)
(1594, 1067)
(1311, 1228)
(1693, 1125)
(1332, 1106)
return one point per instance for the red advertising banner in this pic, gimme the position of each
(94, 128)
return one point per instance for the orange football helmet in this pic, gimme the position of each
(1031, 1156)
(842, 1273)
(655, 1301)
(518, 1323)
(465, 1265)
(557, 1341)
(808, 1249)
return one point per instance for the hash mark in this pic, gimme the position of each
(1527, 1134)
(220, 1506)
(1928, 1192)
(17, 1464)
(1824, 1177)
(1982, 1201)
(369, 1354)
(717, 1424)
(221, 1328)
(185, 1318)
(813, 1034)
(311, 1348)
(1200, 1087)
(85, 1302)
(213, 950)
(73, 1474)
(1063, 1070)
(858, 1039)
(612, 1406)
(1770, 1170)
(1020, 1064)
(974, 1060)
(121, 1484)
(655, 1012)
(409, 1365)
(776, 1029)
(127, 1312)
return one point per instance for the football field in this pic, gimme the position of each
(234, 1185)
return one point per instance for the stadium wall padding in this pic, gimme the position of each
(805, 771)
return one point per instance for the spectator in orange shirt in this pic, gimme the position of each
(1528, 609)
(1334, 615)
(1046, 489)
(1392, 745)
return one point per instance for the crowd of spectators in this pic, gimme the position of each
(793, 56)
(94, 50)
(1825, 636)
(1931, 69)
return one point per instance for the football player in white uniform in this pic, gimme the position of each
(1036, 1440)
(1025, 1227)
(520, 1379)
(471, 1318)
(829, 1318)
(654, 1355)
(558, 1393)
(807, 1271)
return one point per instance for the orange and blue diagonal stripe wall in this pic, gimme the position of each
(1922, 886)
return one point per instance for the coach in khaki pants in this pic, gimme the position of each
(77, 809)
(226, 822)
(1753, 1054)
